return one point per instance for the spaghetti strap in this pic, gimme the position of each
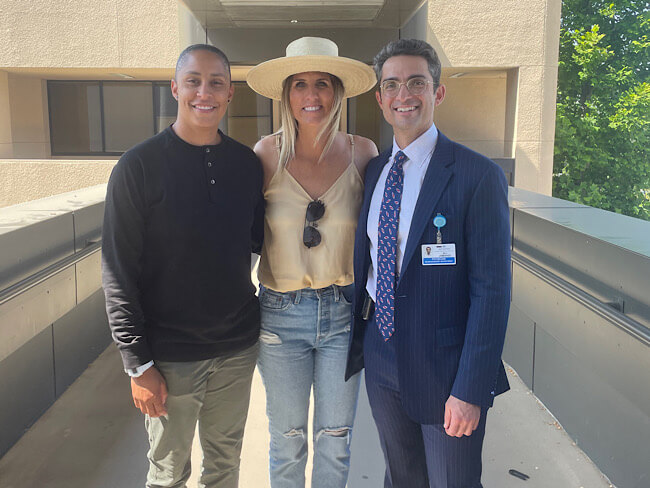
(278, 147)
(352, 163)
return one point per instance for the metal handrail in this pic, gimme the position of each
(46, 273)
(622, 321)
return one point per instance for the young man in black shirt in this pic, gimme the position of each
(184, 210)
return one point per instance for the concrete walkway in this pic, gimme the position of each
(93, 437)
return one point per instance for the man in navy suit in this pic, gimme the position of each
(432, 276)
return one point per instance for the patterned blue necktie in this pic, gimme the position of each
(387, 247)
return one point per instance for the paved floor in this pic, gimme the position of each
(92, 437)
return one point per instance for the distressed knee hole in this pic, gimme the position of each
(269, 337)
(340, 432)
(293, 433)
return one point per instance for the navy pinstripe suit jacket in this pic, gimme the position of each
(450, 321)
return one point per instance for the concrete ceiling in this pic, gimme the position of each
(216, 14)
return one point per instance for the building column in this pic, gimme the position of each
(6, 146)
(29, 117)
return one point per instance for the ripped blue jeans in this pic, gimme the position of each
(304, 343)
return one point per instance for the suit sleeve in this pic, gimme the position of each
(487, 229)
(122, 250)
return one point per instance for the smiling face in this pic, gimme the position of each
(409, 115)
(203, 90)
(311, 97)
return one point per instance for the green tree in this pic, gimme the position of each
(602, 134)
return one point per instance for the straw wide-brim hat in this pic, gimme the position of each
(311, 54)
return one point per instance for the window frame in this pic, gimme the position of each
(102, 121)
(101, 112)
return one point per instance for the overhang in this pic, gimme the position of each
(320, 14)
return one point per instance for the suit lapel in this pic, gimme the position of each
(435, 181)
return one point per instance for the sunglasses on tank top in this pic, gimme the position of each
(310, 235)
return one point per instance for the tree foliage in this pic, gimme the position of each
(602, 134)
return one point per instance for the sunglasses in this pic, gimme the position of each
(310, 235)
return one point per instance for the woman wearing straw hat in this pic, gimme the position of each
(313, 186)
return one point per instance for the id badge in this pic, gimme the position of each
(438, 254)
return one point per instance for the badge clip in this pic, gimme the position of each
(439, 221)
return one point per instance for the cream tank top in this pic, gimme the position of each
(286, 263)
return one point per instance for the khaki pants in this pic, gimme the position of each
(216, 393)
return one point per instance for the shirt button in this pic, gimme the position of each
(212, 182)
(209, 165)
(207, 149)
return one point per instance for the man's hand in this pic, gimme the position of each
(150, 392)
(461, 418)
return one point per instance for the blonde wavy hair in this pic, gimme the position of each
(289, 126)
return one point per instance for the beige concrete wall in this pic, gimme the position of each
(190, 30)
(80, 33)
(512, 93)
(26, 180)
(29, 117)
(473, 112)
(76, 39)
(6, 148)
(521, 34)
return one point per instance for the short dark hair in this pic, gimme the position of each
(182, 58)
(409, 47)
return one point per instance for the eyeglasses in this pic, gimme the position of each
(415, 86)
(310, 235)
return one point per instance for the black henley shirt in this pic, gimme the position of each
(179, 227)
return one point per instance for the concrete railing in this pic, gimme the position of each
(579, 329)
(52, 320)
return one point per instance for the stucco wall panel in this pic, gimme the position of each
(531, 92)
(473, 113)
(190, 30)
(521, 35)
(534, 166)
(28, 113)
(549, 103)
(490, 32)
(527, 171)
(148, 33)
(535, 127)
(5, 112)
(545, 178)
(62, 33)
(552, 27)
(77, 33)
(536, 118)
(31, 150)
(23, 181)
(491, 149)
(512, 96)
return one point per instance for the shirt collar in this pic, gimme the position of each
(421, 149)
